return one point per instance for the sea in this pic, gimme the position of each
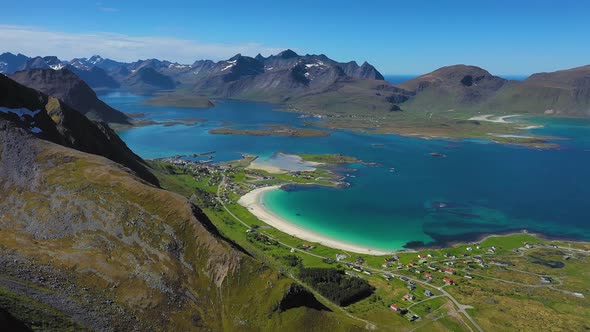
(410, 198)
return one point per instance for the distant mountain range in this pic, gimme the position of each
(299, 71)
(318, 83)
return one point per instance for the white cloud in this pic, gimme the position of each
(104, 8)
(33, 41)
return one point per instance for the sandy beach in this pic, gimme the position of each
(265, 167)
(492, 118)
(283, 163)
(253, 202)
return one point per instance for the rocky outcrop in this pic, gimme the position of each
(68, 87)
(56, 122)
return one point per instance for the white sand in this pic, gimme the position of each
(287, 163)
(253, 202)
(265, 167)
(492, 118)
(530, 127)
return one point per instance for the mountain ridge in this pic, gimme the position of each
(296, 80)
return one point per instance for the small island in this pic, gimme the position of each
(180, 100)
(335, 158)
(272, 130)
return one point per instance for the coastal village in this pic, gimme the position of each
(411, 284)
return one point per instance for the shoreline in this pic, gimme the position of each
(253, 202)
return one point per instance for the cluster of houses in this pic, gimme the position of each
(356, 267)
(404, 312)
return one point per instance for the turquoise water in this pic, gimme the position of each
(479, 188)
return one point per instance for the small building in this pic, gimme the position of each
(421, 256)
(428, 275)
(449, 271)
(411, 287)
(394, 307)
(408, 297)
(427, 292)
(387, 276)
(469, 249)
(404, 278)
(546, 279)
(468, 276)
(340, 257)
(367, 272)
(448, 281)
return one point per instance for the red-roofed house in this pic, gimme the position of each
(428, 275)
(449, 271)
(394, 307)
(448, 281)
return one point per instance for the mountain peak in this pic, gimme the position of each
(287, 54)
(259, 57)
(235, 57)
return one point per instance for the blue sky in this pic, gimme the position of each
(398, 37)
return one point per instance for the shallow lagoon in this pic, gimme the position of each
(483, 187)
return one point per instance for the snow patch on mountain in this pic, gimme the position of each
(20, 112)
(231, 64)
(58, 66)
(316, 64)
(178, 66)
